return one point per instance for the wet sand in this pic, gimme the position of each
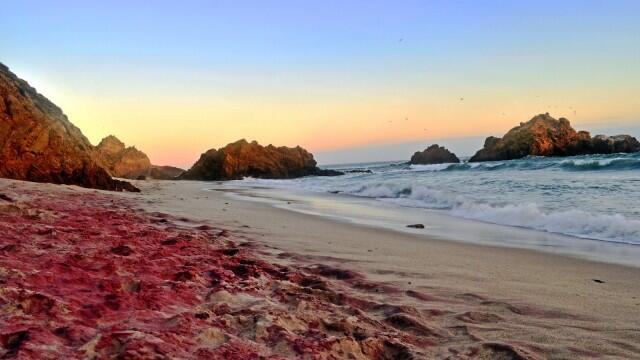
(181, 272)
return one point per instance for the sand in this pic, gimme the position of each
(544, 299)
(385, 294)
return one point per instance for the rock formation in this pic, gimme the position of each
(165, 172)
(545, 136)
(129, 162)
(121, 161)
(38, 142)
(243, 159)
(434, 154)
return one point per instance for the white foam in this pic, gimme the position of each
(455, 200)
(615, 228)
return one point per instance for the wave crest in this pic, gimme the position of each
(579, 223)
(601, 164)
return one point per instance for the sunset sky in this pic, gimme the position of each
(335, 77)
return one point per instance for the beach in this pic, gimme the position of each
(553, 303)
(187, 269)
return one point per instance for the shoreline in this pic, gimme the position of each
(427, 297)
(227, 210)
(438, 226)
(524, 275)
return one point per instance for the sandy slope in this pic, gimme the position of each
(497, 294)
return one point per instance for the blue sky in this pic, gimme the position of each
(328, 75)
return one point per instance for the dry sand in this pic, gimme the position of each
(501, 294)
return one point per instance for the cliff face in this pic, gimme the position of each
(38, 142)
(546, 136)
(434, 154)
(244, 159)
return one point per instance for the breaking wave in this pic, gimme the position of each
(579, 223)
(601, 164)
(620, 162)
(590, 196)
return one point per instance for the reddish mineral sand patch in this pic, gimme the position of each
(86, 276)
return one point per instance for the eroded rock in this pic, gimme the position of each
(250, 159)
(545, 136)
(434, 154)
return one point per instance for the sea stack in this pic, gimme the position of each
(250, 159)
(38, 142)
(434, 154)
(545, 136)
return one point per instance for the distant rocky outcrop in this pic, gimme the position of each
(545, 136)
(434, 154)
(165, 172)
(38, 142)
(130, 163)
(122, 161)
(250, 159)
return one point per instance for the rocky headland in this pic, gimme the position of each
(545, 136)
(434, 154)
(38, 143)
(250, 159)
(130, 163)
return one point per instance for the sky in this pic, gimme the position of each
(351, 81)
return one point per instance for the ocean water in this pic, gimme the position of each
(595, 197)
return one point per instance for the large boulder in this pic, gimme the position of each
(434, 154)
(250, 159)
(38, 142)
(545, 136)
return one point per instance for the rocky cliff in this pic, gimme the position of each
(38, 142)
(129, 162)
(545, 136)
(434, 154)
(250, 159)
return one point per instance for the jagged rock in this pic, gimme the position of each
(122, 161)
(38, 142)
(243, 159)
(434, 154)
(545, 136)
(129, 162)
(602, 144)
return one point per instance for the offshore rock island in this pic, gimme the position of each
(545, 136)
